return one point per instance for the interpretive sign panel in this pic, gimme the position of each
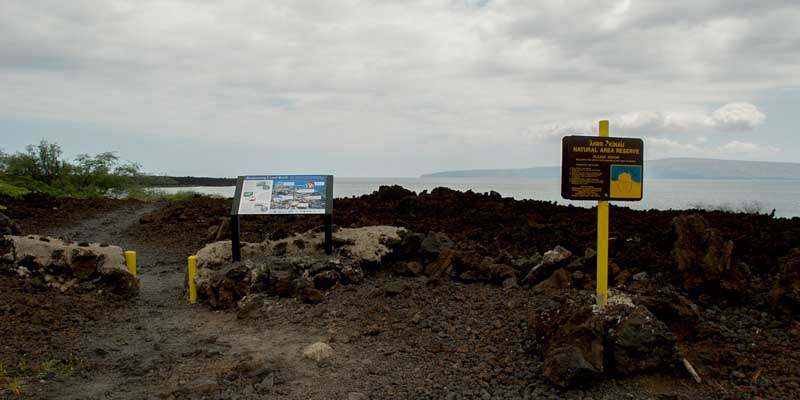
(283, 194)
(602, 168)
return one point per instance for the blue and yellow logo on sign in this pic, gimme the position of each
(626, 181)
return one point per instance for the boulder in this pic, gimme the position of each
(560, 279)
(229, 285)
(639, 342)
(119, 282)
(580, 343)
(434, 243)
(574, 355)
(318, 352)
(703, 258)
(551, 261)
(678, 312)
(408, 246)
(786, 291)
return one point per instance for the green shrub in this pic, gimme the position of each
(149, 194)
(11, 190)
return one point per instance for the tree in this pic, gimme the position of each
(102, 174)
(41, 162)
(48, 159)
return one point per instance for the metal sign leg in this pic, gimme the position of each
(236, 250)
(328, 234)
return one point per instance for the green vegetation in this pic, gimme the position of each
(156, 194)
(41, 168)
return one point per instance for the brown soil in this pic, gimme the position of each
(394, 337)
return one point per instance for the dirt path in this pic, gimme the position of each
(160, 346)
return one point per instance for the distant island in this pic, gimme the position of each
(668, 168)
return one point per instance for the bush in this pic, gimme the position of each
(155, 195)
(11, 190)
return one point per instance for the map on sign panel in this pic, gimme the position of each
(287, 194)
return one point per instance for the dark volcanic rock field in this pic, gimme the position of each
(475, 303)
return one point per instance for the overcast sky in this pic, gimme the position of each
(396, 88)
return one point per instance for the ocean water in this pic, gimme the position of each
(736, 195)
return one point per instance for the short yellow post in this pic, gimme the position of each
(192, 285)
(130, 261)
(602, 240)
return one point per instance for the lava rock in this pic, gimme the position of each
(640, 343)
(786, 292)
(8, 226)
(442, 265)
(228, 285)
(434, 243)
(326, 279)
(310, 295)
(120, 283)
(575, 356)
(704, 258)
(560, 279)
(551, 261)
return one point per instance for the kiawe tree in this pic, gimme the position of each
(41, 162)
(102, 173)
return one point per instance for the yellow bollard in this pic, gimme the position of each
(130, 261)
(602, 240)
(192, 285)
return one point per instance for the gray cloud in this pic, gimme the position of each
(409, 75)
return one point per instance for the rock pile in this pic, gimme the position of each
(580, 344)
(301, 276)
(67, 266)
(294, 266)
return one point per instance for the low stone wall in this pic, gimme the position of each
(295, 266)
(67, 266)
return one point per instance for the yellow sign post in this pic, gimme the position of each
(602, 169)
(602, 240)
(192, 272)
(130, 262)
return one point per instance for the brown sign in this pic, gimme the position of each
(602, 168)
